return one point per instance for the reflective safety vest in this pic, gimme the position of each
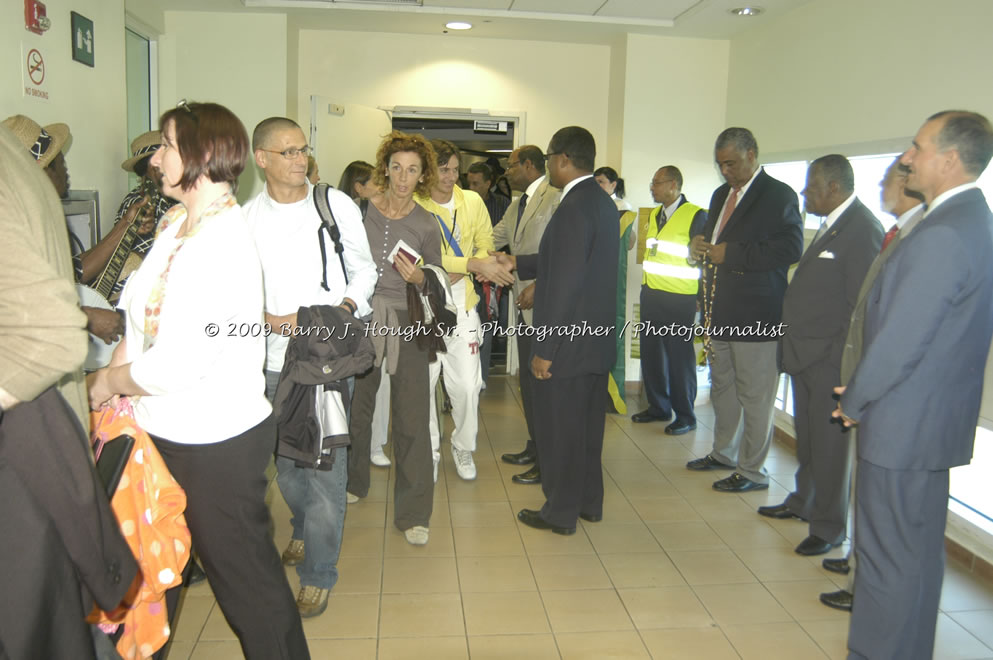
(666, 250)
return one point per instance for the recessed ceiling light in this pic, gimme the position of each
(458, 25)
(746, 11)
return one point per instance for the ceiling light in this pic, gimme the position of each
(746, 11)
(458, 25)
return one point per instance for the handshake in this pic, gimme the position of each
(498, 268)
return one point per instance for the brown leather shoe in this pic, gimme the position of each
(293, 554)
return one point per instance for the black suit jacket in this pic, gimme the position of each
(575, 297)
(825, 287)
(764, 236)
(929, 320)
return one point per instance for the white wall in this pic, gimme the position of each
(237, 60)
(92, 101)
(556, 84)
(675, 95)
(849, 71)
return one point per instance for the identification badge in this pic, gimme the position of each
(653, 250)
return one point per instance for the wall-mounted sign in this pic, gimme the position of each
(34, 71)
(82, 39)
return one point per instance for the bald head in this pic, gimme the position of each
(262, 136)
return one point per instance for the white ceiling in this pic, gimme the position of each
(582, 21)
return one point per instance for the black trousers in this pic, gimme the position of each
(668, 361)
(225, 488)
(527, 389)
(824, 454)
(413, 464)
(569, 419)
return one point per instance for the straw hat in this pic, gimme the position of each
(43, 143)
(141, 147)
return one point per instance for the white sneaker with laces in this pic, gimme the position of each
(416, 535)
(380, 459)
(464, 464)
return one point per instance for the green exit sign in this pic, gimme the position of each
(83, 41)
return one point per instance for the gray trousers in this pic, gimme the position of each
(900, 526)
(823, 452)
(744, 378)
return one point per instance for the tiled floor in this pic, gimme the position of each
(674, 570)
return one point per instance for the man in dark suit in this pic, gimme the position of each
(916, 392)
(907, 207)
(574, 305)
(753, 234)
(521, 228)
(816, 312)
(669, 288)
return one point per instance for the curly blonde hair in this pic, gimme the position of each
(398, 141)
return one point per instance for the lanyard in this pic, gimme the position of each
(448, 234)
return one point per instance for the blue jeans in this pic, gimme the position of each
(317, 501)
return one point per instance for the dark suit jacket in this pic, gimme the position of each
(929, 319)
(764, 236)
(824, 290)
(576, 269)
(61, 548)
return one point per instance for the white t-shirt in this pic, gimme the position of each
(203, 389)
(287, 242)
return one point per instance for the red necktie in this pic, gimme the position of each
(889, 237)
(728, 210)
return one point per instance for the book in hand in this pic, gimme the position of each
(408, 252)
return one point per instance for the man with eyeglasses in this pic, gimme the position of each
(522, 227)
(285, 223)
(668, 302)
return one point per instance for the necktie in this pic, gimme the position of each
(660, 219)
(820, 232)
(728, 210)
(520, 212)
(890, 235)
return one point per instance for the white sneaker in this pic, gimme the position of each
(464, 464)
(416, 535)
(380, 459)
(351, 499)
(437, 459)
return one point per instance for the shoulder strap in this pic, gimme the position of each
(331, 227)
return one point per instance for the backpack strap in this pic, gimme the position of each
(331, 227)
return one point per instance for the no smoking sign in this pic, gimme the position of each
(34, 73)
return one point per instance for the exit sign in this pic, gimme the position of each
(82, 39)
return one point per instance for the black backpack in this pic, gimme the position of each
(331, 227)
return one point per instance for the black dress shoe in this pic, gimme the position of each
(839, 600)
(837, 565)
(525, 457)
(591, 517)
(646, 416)
(707, 463)
(680, 427)
(813, 545)
(738, 483)
(532, 476)
(780, 512)
(533, 518)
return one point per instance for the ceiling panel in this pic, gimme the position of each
(657, 9)
(585, 7)
(470, 4)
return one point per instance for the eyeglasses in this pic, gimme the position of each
(661, 181)
(293, 152)
(511, 165)
(549, 155)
